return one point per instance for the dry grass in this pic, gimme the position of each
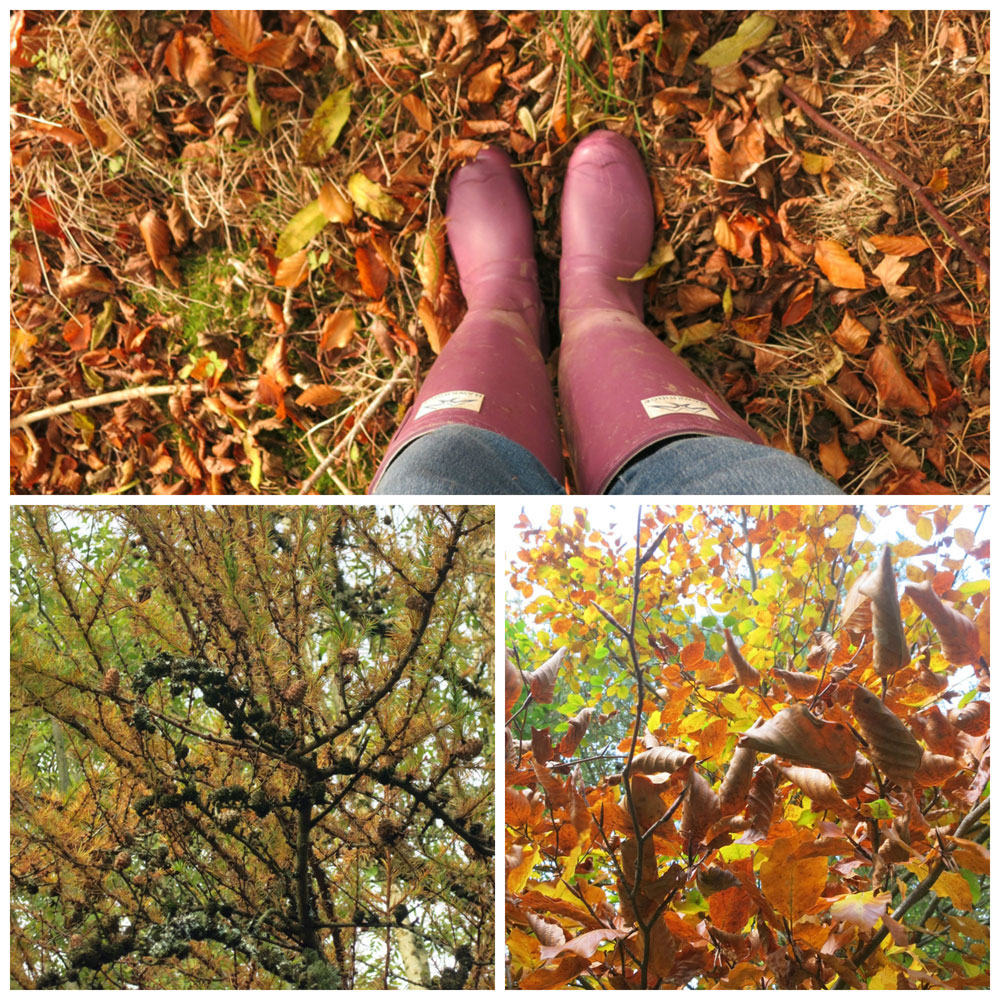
(910, 96)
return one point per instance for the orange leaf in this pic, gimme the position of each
(577, 727)
(484, 85)
(189, 462)
(974, 719)
(374, 275)
(43, 216)
(835, 463)
(898, 246)
(895, 390)
(800, 737)
(421, 113)
(838, 265)
(338, 329)
(334, 205)
(319, 395)
(939, 180)
(719, 162)
(269, 393)
(852, 334)
(437, 337)
(291, 271)
(237, 31)
(275, 51)
(694, 298)
(693, 654)
(156, 236)
(512, 685)
(276, 315)
(792, 886)
(76, 332)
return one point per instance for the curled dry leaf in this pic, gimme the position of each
(838, 265)
(319, 395)
(512, 685)
(337, 331)
(577, 727)
(891, 651)
(541, 745)
(760, 805)
(852, 334)
(856, 615)
(485, 84)
(550, 935)
(935, 769)
(895, 390)
(889, 272)
(711, 880)
(959, 636)
(938, 732)
(736, 784)
(891, 745)
(156, 236)
(799, 684)
(542, 682)
(817, 785)
(661, 759)
(748, 676)
(800, 737)
(850, 786)
(701, 809)
(555, 789)
(974, 719)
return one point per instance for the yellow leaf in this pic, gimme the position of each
(843, 532)
(924, 528)
(334, 205)
(301, 228)
(951, 885)
(815, 163)
(370, 198)
(519, 876)
(884, 979)
(965, 539)
(792, 885)
(753, 30)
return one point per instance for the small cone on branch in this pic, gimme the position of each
(294, 693)
(348, 656)
(111, 680)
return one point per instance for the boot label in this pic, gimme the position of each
(668, 406)
(457, 399)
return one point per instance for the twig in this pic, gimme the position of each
(348, 439)
(883, 165)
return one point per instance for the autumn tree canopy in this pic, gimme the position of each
(748, 748)
(251, 747)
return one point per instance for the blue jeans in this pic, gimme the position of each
(459, 459)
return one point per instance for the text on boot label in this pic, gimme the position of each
(663, 406)
(456, 399)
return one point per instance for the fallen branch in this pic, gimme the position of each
(104, 399)
(398, 372)
(884, 166)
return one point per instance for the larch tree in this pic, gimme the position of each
(748, 748)
(252, 747)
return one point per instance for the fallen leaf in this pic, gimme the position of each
(852, 334)
(237, 31)
(902, 455)
(939, 180)
(816, 163)
(766, 92)
(334, 205)
(838, 265)
(437, 334)
(83, 280)
(484, 85)
(43, 216)
(895, 390)
(430, 258)
(464, 27)
(76, 332)
(898, 246)
(835, 463)
(372, 272)
(291, 271)
(719, 162)
(754, 30)
(319, 395)
(301, 228)
(864, 29)
(338, 329)
(421, 113)
(694, 298)
(370, 198)
(269, 393)
(327, 122)
(889, 271)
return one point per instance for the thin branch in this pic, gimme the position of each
(885, 167)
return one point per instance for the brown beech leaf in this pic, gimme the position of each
(512, 685)
(891, 745)
(939, 732)
(891, 651)
(550, 935)
(76, 332)
(337, 331)
(895, 390)
(421, 113)
(799, 684)
(831, 456)
(852, 334)
(850, 786)
(694, 298)
(542, 682)
(238, 31)
(661, 759)
(270, 393)
(817, 785)
(974, 719)
(898, 246)
(189, 462)
(760, 805)
(889, 271)
(800, 737)
(583, 945)
(484, 85)
(935, 769)
(720, 163)
(701, 809)
(748, 676)
(437, 333)
(856, 615)
(156, 235)
(319, 395)
(541, 745)
(430, 259)
(577, 727)
(838, 265)
(959, 636)
(464, 27)
(735, 785)
(556, 790)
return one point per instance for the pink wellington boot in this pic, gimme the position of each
(621, 388)
(491, 373)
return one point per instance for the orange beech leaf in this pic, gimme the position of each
(974, 719)
(816, 784)
(800, 737)
(43, 216)
(735, 785)
(799, 684)
(270, 393)
(577, 727)
(512, 685)
(899, 246)
(76, 332)
(891, 650)
(319, 395)
(852, 335)
(720, 163)
(156, 235)
(238, 31)
(938, 181)
(584, 945)
(891, 745)
(334, 206)
(437, 337)
(831, 456)
(959, 636)
(701, 809)
(483, 86)
(694, 298)
(792, 885)
(850, 786)
(895, 390)
(661, 759)
(555, 789)
(291, 271)
(800, 305)
(748, 676)
(337, 330)
(935, 769)
(542, 682)
(372, 272)
(838, 265)
(421, 113)
(189, 462)
(860, 909)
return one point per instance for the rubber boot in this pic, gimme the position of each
(491, 373)
(621, 388)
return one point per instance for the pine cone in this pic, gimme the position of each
(111, 679)
(348, 656)
(122, 860)
(416, 602)
(76, 941)
(294, 693)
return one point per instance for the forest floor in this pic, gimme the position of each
(236, 222)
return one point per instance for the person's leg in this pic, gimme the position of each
(491, 373)
(694, 465)
(622, 389)
(461, 460)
